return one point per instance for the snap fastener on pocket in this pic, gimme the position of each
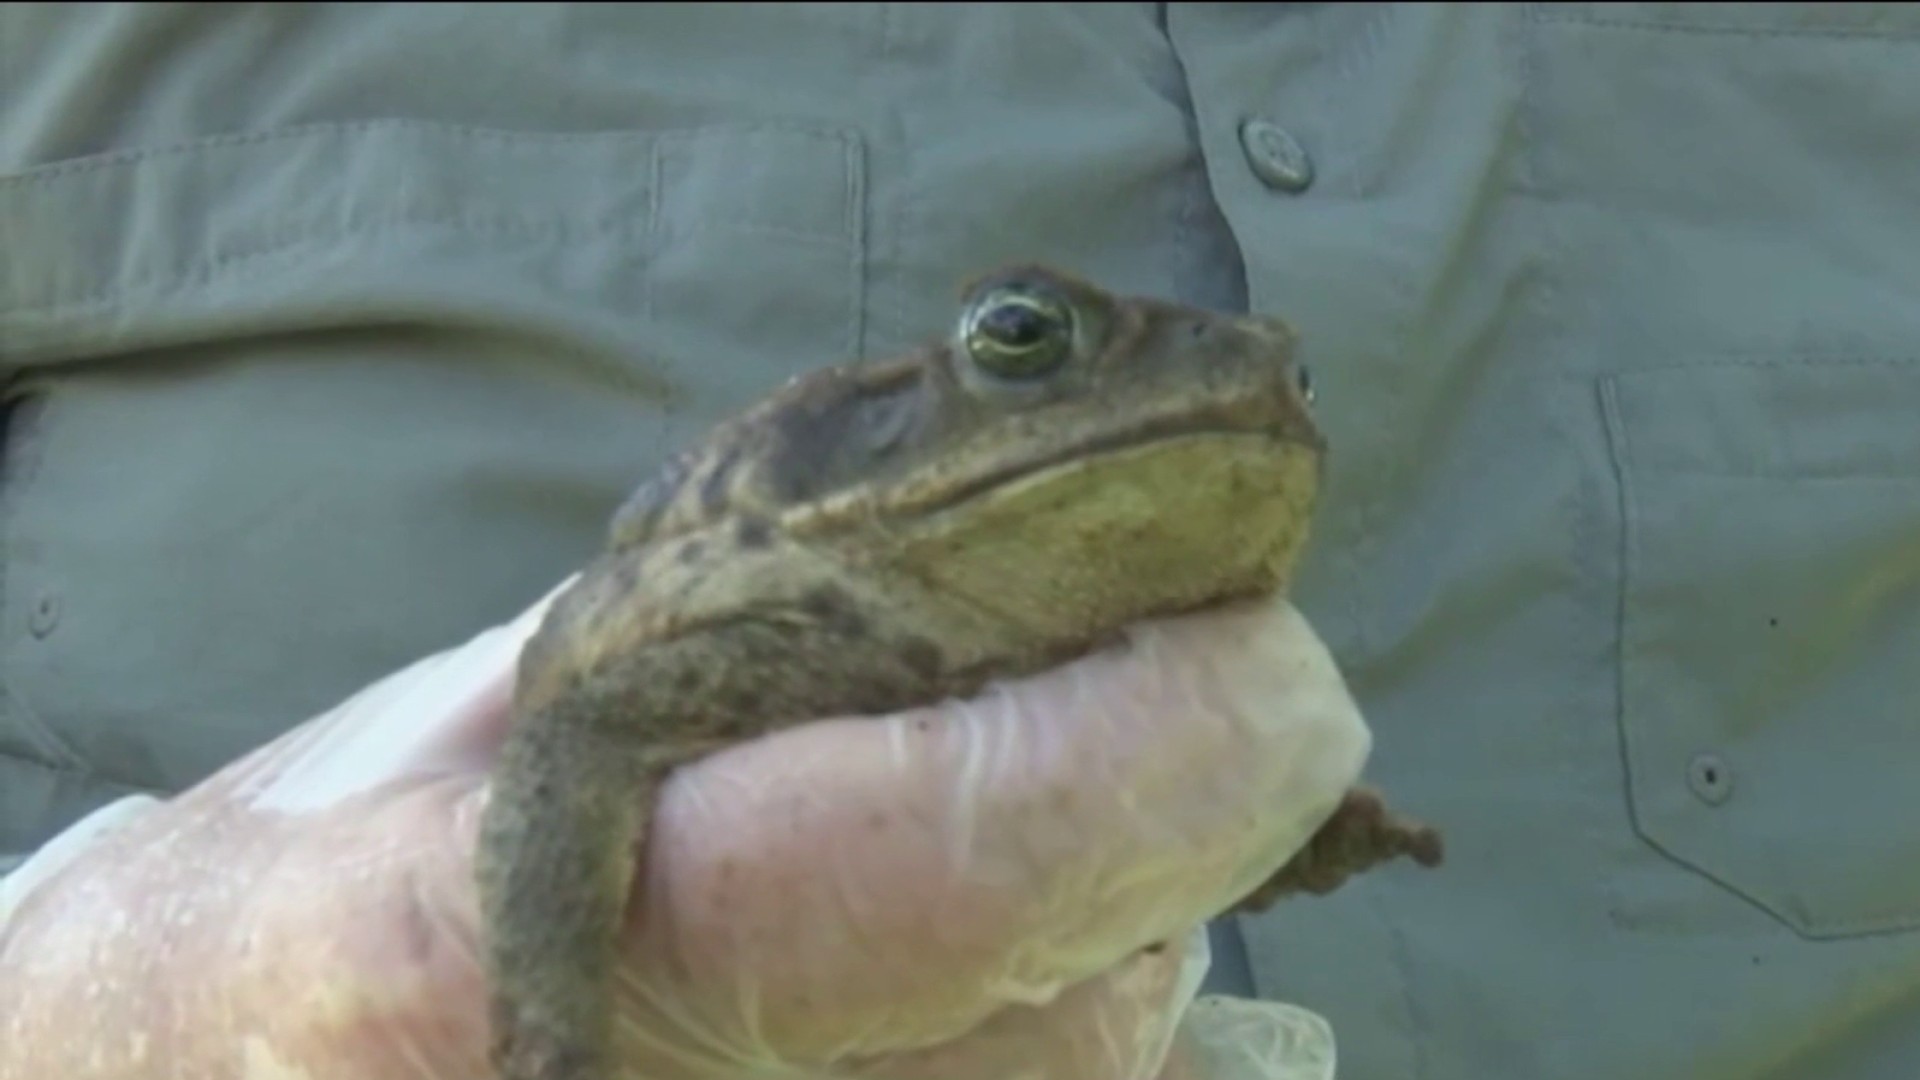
(45, 615)
(1275, 156)
(1709, 779)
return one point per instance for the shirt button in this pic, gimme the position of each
(45, 615)
(1710, 779)
(1276, 157)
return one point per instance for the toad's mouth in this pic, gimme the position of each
(1283, 435)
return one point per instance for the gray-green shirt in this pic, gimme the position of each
(332, 334)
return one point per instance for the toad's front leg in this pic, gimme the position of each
(564, 830)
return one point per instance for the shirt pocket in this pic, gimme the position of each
(741, 238)
(1769, 650)
(236, 352)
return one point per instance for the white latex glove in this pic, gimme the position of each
(969, 891)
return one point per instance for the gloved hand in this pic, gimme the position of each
(1008, 886)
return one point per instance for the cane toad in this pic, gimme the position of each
(880, 536)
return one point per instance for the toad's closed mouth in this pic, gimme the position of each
(1220, 423)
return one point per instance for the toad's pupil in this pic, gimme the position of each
(1015, 324)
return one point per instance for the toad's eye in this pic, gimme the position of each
(1017, 333)
(1304, 379)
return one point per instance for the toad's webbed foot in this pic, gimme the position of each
(1360, 835)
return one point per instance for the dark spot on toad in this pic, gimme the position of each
(751, 533)
(831, 608)
(627, 576)
(742, 703)
(821, 603)
(922, 656)
(690, 552)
